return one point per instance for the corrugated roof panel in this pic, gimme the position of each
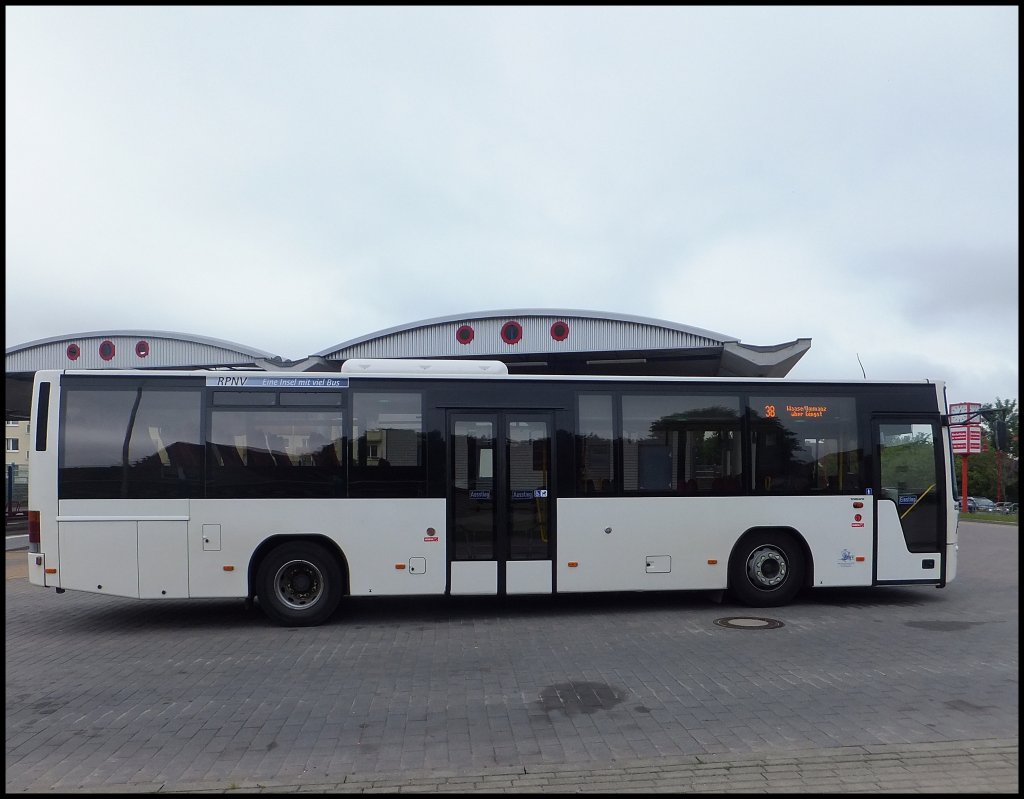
(126, 350)
(585, 334)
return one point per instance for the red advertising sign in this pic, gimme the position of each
(966, 439)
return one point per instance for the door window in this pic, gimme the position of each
(907, 476)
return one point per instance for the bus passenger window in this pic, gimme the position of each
(388, 455)
(130, 442)
(255, 452)
(681, 444)
(595, 465)
(805, 445)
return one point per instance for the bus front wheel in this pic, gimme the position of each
(299, 584)
(766, 569)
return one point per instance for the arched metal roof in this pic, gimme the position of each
(118, 349)
(575, 341)
(129, 349)
(586, 331)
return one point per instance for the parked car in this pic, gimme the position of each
(985, 505)
(1006, 507)
(972, 506)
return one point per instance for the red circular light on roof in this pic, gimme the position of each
(74, 352)
(559, 331)
(511, 332)
(142, 349)
(107, 350)
(464, 334)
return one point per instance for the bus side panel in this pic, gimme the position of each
(376, 537)
(100, 556)
(163, 559)
(42, 484)
(123, 547)
(670, 543)
(895, 562)
(612, 539)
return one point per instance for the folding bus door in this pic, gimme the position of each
(909, 499)
(500, 502)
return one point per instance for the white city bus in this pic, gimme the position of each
(453, 477)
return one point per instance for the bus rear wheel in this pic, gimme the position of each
(299, 584)
(766, 569)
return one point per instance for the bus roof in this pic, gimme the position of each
(469, 370)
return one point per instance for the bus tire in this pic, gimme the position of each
(766, 569)
(299, 584)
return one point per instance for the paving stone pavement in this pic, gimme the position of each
(970, 767)
(904, 690)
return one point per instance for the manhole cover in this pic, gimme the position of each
(748, 623)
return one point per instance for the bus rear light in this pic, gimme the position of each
(33, 531)
(858, 504)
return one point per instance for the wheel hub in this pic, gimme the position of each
(298, 584)
(767, 567)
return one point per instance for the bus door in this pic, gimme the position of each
(910, 496)
(500, 502)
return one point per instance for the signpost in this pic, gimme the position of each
(966, 439)
(962, 412)
(965, 436)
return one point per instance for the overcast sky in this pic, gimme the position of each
(292, 178)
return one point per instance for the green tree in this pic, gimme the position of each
(991, 473)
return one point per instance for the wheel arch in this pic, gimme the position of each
(780, 529)
(268, 544)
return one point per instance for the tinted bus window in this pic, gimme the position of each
(388, 452)
(133, 442)
(805, 445)
(595, 461)
(681, 444)
(282, 452)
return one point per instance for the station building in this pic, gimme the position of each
(529, 341)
